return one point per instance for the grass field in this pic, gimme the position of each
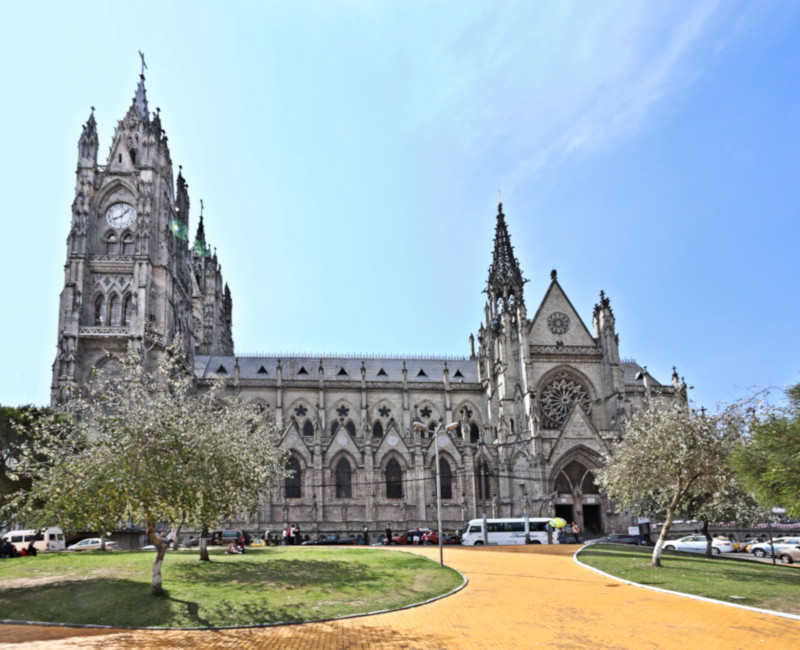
(263, 586)
(722, 578)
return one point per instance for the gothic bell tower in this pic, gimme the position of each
(502, 337)
(127, 278)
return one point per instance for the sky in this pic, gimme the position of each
(349, 156)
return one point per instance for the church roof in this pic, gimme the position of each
(306, 368)
(630, 369)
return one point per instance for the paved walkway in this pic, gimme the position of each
(518, 597)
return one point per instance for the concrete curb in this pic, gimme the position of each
(794, 617)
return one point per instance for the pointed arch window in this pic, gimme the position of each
(293, 481)
(431, 428)
(116, 311)
(112, 244)
(128, 310)
(351, 428)
(474, 433)
(483, 479)
(344, 479)
(334, 427)
(394, 480)
(100, 310)
(127, 244)
(308, 429)
(445, 479)
(377, 429)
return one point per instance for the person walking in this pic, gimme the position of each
(576, 530)
(388, 533)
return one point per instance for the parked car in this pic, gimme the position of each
(779, 543)
(407, 537)
(698, 543)
(731, 539)
(330, 540)
(617, 538)
(747, 544)
(228, 536)
(92, 544)
(790, 555)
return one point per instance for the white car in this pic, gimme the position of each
(92, 544)
(698, 543)
(780, 543)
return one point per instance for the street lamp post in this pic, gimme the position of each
(440, 429)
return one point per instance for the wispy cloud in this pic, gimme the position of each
(554, 81)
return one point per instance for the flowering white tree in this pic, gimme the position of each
(670, 454)
(144, 446)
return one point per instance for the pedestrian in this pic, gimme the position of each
(365, 533)
(576, 530)
(549, 530)
(388, 533)
(285, 536)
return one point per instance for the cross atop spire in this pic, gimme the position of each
(140, 99)
(505, 276)
(144, 65)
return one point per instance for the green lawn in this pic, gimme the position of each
(722, 578)
(263, 586)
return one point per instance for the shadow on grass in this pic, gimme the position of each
(236, 590)
(279, 572)
(101, 601)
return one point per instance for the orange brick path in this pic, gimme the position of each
(518, 597)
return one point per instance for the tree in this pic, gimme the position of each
(16, 441)
(727, 500)
(770, 461)
(669, 454)
(144, 446)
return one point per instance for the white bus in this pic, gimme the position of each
(47, 539)
(512, 530)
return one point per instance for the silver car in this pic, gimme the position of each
(698, 543)
(92, 544)
(779, 543)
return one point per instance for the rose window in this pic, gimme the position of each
(558, 322)
(557, 399)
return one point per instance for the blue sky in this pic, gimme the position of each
(349, 156)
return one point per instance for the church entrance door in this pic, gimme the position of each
(564, 510)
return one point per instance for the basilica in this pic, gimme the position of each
(522, 421)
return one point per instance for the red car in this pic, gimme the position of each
(425, 535)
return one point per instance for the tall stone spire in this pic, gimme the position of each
(505, 277)
(140, 99)
(87, 144)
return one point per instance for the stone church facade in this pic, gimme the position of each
(536, 402)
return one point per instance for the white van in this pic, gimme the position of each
(508, 531)
(47, 539)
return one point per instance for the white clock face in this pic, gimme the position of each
(120, 215)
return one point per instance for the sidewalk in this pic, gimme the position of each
(518, 597)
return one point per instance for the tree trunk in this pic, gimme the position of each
(102, 540)
(203, 544)
(709, 541)
(161, 550)
(671, 508)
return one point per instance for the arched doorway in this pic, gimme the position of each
(579, 497)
